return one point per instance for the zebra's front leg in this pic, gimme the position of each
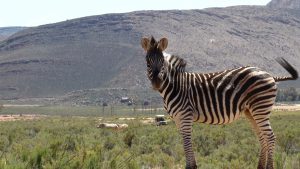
(185, 125)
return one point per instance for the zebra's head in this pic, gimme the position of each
(155, 60)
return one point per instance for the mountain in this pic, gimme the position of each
(103, 52)
(290, 4)
(5, 32)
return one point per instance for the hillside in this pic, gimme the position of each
(5, 32)
(100, 52)
(291, 4)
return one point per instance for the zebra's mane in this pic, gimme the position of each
(176, 62)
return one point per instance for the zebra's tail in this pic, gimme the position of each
(288, 67)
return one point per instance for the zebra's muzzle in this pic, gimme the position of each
(156, 83)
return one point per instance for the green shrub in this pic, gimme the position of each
(128, 138)
(70, 142)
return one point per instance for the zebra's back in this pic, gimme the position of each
(219, 98)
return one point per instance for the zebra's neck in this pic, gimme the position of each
(174, 66)
(174, 63)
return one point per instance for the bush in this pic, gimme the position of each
(109, 144)
(128, 138)
(65, 143)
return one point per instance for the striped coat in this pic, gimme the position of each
(214, 98)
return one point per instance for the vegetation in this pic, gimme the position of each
(288, 94)
(75, 142)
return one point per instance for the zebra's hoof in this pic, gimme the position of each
(260, 166)
(191, 167)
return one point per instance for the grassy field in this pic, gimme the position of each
(68, 141)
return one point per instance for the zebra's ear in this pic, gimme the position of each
(162, 44)
(145, 42)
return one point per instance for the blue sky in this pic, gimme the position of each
(38, 12)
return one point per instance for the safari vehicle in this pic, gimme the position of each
(160, 120)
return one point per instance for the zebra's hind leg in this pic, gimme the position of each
(263, 143)
(268, 133)
(271, 144)
(261, 118)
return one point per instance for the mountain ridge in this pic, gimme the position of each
(289, 4)
(5, 32)
(104, 51)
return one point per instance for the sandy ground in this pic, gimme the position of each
(286, 107)
(20, 105)
(20, 117)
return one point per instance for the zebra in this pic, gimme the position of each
(214, 98)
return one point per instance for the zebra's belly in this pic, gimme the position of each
(216, 118)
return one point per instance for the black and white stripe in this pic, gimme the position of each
(217, 98)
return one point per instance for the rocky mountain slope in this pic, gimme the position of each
(290, 4)
(5, 32)
(104, 51)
